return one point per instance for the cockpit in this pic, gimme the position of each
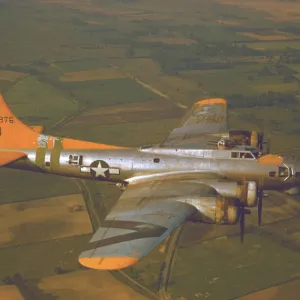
(284, 172)
(243, 155)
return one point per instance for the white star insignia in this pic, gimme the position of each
(99, 171)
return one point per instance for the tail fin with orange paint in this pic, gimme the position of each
(13, 133)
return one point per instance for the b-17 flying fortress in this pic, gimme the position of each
(202, 172)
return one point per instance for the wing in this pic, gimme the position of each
(201, 127)
(144, 215)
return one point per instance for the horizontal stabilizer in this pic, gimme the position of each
(7, 157)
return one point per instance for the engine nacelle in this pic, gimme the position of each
(246, 193)
(226, 213)
(215, 210)
(246, 137)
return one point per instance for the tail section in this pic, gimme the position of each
(14, 133)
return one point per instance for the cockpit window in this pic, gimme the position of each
(247, 155)
(234, 154)
(283, 172)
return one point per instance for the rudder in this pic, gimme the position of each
(14, 133)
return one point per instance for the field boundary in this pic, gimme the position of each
(275, 285)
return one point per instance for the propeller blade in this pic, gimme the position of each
(259, 206)
(269, 143)
(243, 212)
(242, 224)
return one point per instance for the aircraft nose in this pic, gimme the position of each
(296, 170)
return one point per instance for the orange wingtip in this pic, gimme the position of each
(212, 101)
(271, 159)
(107, 263)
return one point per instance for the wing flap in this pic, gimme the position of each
(7, 157)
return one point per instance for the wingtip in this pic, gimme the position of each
(212, 101)
(107, 263)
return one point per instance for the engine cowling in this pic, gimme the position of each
(246, 137)
(226, 213)
(216, 210)
(246, 193)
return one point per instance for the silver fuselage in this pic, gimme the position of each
(137, 164)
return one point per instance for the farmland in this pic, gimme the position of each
(10, 292)
(37, 220)
(122, 73)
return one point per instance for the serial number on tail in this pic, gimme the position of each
(7, 120)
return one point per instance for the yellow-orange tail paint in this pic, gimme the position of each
(14, 133)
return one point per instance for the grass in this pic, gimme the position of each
(274, 45)
(277, 87)
(167, 40)
(125, 134)
(295, 67)
(220, 82)
(34, 261)
(127, 113)
(55, 40)
(83, 284)
(80, 65)
(18, 185)
(37, 103)
(5, 85)
(93, 74)
(229, 270)
(10, 75)
(147, 270)
(45, 219)
(97, 93)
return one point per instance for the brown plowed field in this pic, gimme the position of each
(40, 220)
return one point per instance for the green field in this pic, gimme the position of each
(225, 269)
(80, 65)
(21, 186)
(37, 103)
(46, 39)
(275, 45)
(124, 134)
(97, 93)
(34, 261)
(243, 79)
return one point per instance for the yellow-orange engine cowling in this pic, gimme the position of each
(246, 137)
(215, 210)
(226, 213)
(246, 192)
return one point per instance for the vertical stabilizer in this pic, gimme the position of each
(14, 133)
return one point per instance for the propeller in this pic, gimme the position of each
(259, 205)
(266, 142)
(263, 141)
(242, 212)
(269, 143)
